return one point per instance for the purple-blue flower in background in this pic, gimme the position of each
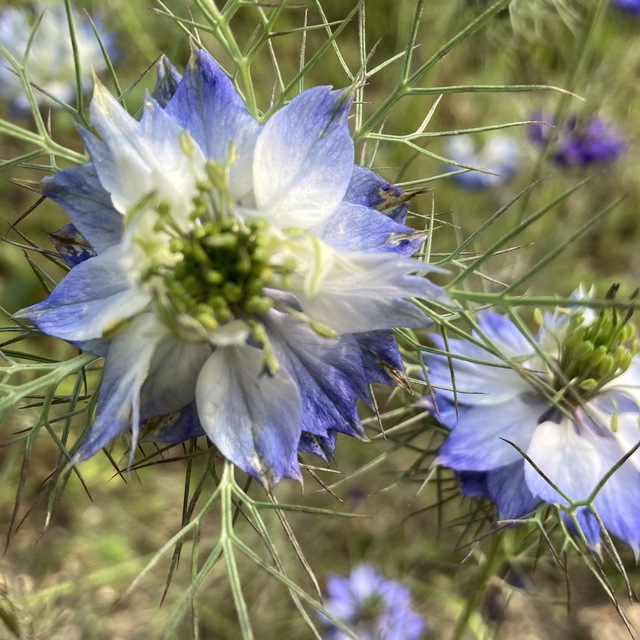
(50, 64)
(632, 6)
(579, 142)
(499, 156)
(574, 413)
(239, 277)
(374, 607)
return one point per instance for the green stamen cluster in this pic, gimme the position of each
(221, 270)
(217, 271)
(371, 609)
(594, 354)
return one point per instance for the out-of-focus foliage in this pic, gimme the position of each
(430, 74)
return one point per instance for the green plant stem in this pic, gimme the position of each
(492, 564)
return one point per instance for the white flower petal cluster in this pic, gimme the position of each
(49, 59)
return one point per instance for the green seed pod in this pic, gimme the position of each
(232, 291)
(214, 277)
(258, 304)
(208, 321)
(187, 144)
(198, 253)
(588, 385)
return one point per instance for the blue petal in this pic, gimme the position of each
(381, 356)
(321, 446)
(505, 486)
(473, 484)
(405, 624)
(207, 104)
(172, 377)
(475, 179)
(500, 156)
(99, 346)
(504, 334)
(304, 159)
(94, 297)
(253, 418)
(177, 426)
(570, 457)
(342, 603)
(329, 374)
(477, 442)
(588, 526)
(508, 489)
(71, 245)
(79, 192)
(120, 168)
(125, 370)
(367, 188)
(167, 82)
(474, 382)
(364, 581)
(447, 410)
(358, 228)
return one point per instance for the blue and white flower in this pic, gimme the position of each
(375, 607)
(580, 141)
(242, 284)
(632, 6)
(499, 159)
(50, 64)
(570, 401)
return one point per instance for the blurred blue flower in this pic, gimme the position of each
(628, 5)
(373, 606)
(499, 155)
(579, 142)
(241, 280)
(574, 413)
(50, 64)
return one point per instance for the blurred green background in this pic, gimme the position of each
(66, 582)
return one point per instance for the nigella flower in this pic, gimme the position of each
(580, 142)
(242, 284)
(50, 64)
(499, 156)
(632, 6)
(573, 414)
(373, 606)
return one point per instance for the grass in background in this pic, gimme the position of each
(67, 582)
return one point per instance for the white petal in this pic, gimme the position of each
(136, 159)
(235, 332)
(627, 433)
(628, 382)
(576, 461)
(358, 292)
(303, 159)
(126, 368)
(569, 457)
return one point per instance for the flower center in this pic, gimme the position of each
(221, 270)
(214, 267)
(595, 353)
(371, 609)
